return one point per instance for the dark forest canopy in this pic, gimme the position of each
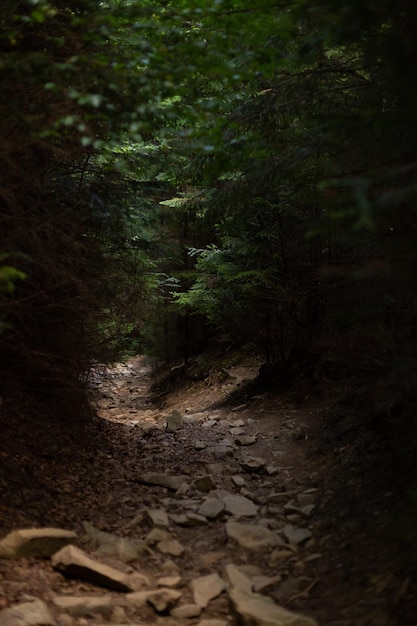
(182, 174)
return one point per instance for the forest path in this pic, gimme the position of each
(264, 462)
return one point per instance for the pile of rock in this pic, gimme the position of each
(131, 589)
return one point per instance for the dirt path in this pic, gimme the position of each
(265, 461)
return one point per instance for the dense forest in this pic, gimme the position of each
(211, 178)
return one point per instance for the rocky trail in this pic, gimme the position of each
(199, 510)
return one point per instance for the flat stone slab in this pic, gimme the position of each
(296, 535)
(173, 483)
(35, 542)
(34, 613)
(206, 588)
(205, 484)
(171, 547)
(252, 537)
(74, 563)
(161, 599)
(253, 465)
(158, 518)
(239, 506)
(78, 606)
(211, 508)
(254, 609)
(107, 544)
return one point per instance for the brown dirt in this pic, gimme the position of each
(55, 474)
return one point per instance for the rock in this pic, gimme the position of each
(246, 440)
(168, 581)
(84, 605)
(173, 483)
(158, 518)
(195, 519)
(239, 408)
(292, 507)
(205, 484)
(75, 563)
(180, 520)
(213, 622)
(163, 599)
(206, 588)
(252, 537)
(212, 508)
(279, 497)
(137, 581)
(35, 542)
(33, 613)
(237, 430)
(172, 547)
(199, 445)
(239, 506)
(186, 611)
(279, 555)
(295, 535)
(254, 609)
(170, 568)
(238, 480)
(220, 450)
(107, 544)
(119, 617)
(289, 587)
(160, 599)
(263, 582)
(253, 465)
(174, 421)
(156, 535)
(236, 578)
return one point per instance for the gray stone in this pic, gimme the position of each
(199, 444)
(206, 588)
(263, 582)
(84, 605)
(253, 465)
(172, 547)
(212, 508)
(246, 440)
(195, 519)
(173, 483)
(174, 421)
(156, 535)
(236, 430)
(254, 609)
(75, 563)
(238, 480)
(204, 484)
(107, 544)
(168, 581)
(239, 506)
(295, 535)
(180, 520)
(34, 613)
(186, 611)
(236, 578)
(279, 497)
(158, 518)
(279, 555)
(252, 537)
(35, 542)
(160, 599)
(292, 507)
(220, 450)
